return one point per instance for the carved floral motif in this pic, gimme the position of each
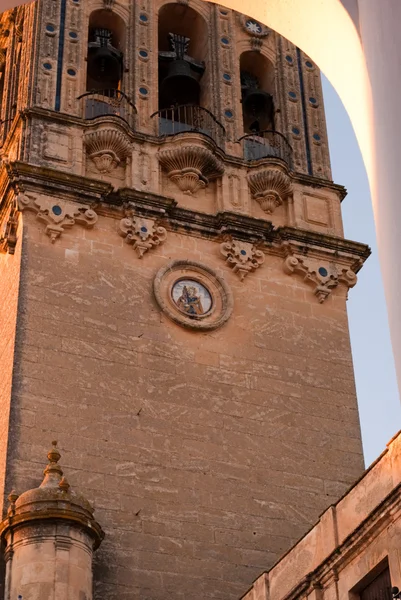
(143, 234)
(243, 257)
(107, 148)
(270, 187)
(324, 279)
(190, 167)
(57, 214)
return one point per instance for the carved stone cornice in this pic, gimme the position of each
(270, 187)
(57, 215)
(37, 180)
(60, 183)
(142, 233)
(242, 257)
(190, 167)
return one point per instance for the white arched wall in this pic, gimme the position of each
(357, 45)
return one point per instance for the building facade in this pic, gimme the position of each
(353, 549)
(174, 278)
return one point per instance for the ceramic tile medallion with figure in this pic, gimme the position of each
(193, 295)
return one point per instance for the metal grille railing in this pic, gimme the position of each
(112, 102)
(266, 144)
(180, 119)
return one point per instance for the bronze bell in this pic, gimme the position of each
(180, 85)
(104, 61)
(258, 107)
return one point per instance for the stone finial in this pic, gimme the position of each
(53, 472)
(12, 498)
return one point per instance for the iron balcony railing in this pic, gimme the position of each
(181, 119)
(266, 144)
(101, 103)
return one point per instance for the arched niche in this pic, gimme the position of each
(106, 44)
(257, 92)
(183, 56)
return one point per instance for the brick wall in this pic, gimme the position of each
(206, 455)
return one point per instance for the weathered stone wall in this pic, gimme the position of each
(206, 454)
(352, 542)
(9, 287)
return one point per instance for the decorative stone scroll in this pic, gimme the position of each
(9, 228)
(242, 257)
(143, 234)
(270, 187)
(107, 148)
(190, 167)
(193, 295)
(58, 215)
(324, 278)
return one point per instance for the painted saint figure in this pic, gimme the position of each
(190, 301)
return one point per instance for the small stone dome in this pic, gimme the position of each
(52, 500)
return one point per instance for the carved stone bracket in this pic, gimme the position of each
(9, 228)
(270, 187)
(143, 234)
(57, 214)
(242, 257)
(190, 167)
(107, 148)
(323, 278)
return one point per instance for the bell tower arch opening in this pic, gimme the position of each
(183, 56)
(106, 40)
(257, 92)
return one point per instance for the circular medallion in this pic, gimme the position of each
(193, 295)
(253, 27)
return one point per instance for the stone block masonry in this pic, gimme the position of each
(206, 454)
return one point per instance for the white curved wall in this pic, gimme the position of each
(365, 68)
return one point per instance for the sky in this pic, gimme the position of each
(378, 398)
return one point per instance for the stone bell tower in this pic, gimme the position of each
(174, 278)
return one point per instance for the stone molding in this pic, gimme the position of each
(190, 167)
(242, 257)
(270, 187)
(323, 278)
(280, 241)
(221, 298)
(107, 148)
(58, 215)
(142, 233)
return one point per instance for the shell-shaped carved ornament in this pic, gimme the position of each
(270, 187)
(107, 148)
(190, 167)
